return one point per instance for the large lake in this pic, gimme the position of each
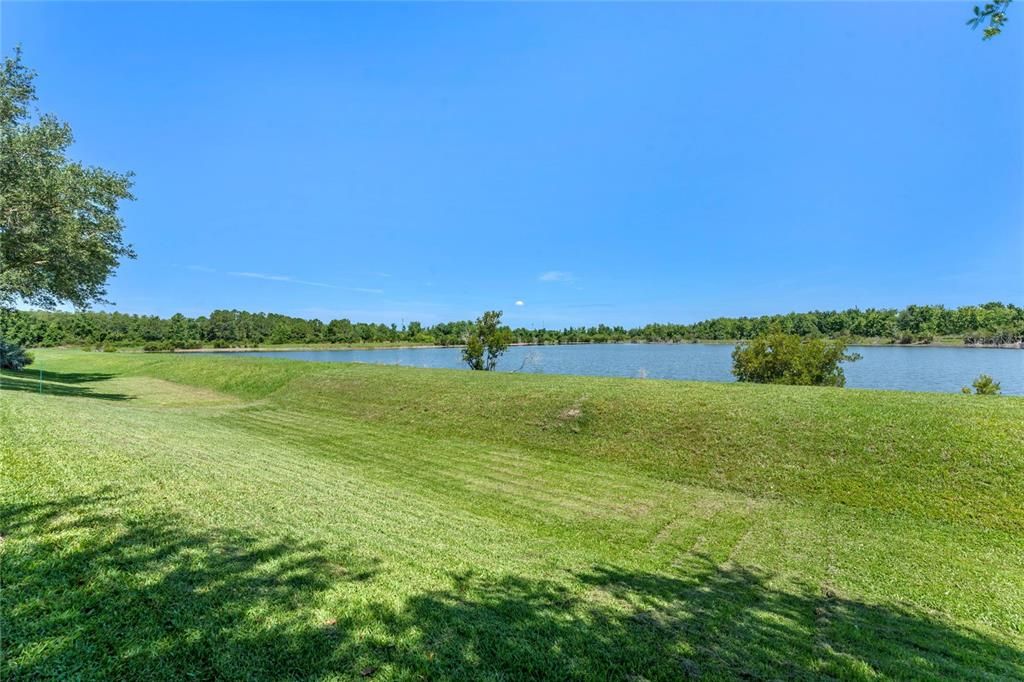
(890, 367)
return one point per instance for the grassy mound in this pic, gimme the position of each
(172, 515)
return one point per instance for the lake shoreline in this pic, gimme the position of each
(947, 369)
(351, 346)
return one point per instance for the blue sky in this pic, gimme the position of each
(596, 162)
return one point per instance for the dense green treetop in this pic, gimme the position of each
(60, 232)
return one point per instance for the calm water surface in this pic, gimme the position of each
(890, 367)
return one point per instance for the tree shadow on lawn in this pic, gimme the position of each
(94, 595)
(60, 377)
(710, 622)
(56, 383)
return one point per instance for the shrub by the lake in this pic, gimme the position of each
(779, 358)
(984, 385)
(486, 342)
(158, 347)
(13, 356)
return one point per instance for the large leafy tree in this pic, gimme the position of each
(60, 232)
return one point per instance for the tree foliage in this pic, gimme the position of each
(984, 385)
(486, 341)
(13, 356)
(780, 358)
(993, 14)
(60, 232)
(991, 323)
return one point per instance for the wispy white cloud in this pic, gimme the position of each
(282, 278)
(520, 303)
(385, 314)
(556, 276)
(288, 279)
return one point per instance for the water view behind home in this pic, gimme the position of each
(936, 369)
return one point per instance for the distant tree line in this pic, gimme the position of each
(991, 323)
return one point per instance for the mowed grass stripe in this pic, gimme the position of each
(813, 443)
(438, 474)
(475, 468)
(354, 501)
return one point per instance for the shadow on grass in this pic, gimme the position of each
(709, 622)
(59, 377)
(57, 383)
(92, 593)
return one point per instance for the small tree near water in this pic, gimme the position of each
(984, 385)
(486, 341)
(779, 358)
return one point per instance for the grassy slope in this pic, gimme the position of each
(241, 517)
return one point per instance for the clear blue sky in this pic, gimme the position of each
(617, 163)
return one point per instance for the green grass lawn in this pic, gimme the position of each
(198, 517)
